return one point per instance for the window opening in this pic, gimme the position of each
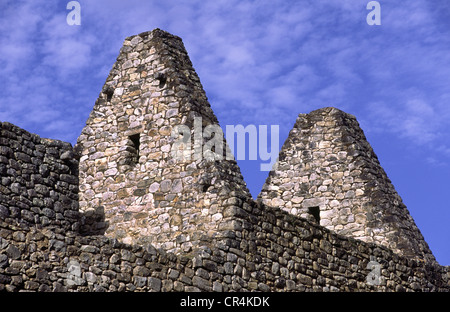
(162, 79)
(133, 147)
(109, 93)
(315, 212)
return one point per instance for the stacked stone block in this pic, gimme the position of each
(131, 186)
(191, 225)
(327, 172)
(39, 180)
(283, 253)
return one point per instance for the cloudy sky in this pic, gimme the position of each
(261, 63)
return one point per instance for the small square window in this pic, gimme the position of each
(315, 212)
(133, 145)
(109, 92)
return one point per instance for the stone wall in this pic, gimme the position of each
(274, 252)
(328, 172)
(131, 187)
(133, 217)
(299, 255)
(39, 180)
(263, 249)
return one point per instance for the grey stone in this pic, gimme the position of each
(67, 155)
(90, 277)
(89, 248)
(263, 287)
(41, 274)
(48, 213)
(167, 285)
(217, 286)
(275, 268)
(177, 186)
(3, 260)
(201, 283)
(165, 186)
(3, 243)
(154, 284)
(4, 212)
(13, 252)
(141, 271)
(173, 274)
(139, 281)
(171, 112)
(154, 187)
(312, 202)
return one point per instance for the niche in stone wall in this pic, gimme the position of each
(132, 149)
(108, 93)
(315, 213)
(161, 78)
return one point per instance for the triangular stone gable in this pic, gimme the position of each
(132, 186)
(328, 173)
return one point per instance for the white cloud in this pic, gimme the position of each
(436, 162)
(410, 14)
(279, 59)
(67, 54)
(18, 23)
(413, 119)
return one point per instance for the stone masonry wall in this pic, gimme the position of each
(296, 254)
(131, 187)
(327, 165)
(39, 180)
(274, 252)
(131, 217)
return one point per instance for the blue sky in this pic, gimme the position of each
(261, 63)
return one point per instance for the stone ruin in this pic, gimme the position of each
(119, 212)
